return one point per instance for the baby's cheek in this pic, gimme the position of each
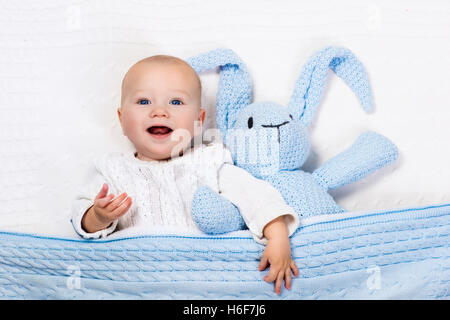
(130, 123)
(190, 122)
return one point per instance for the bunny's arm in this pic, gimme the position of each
(244, 201)
(370, 152)
(214, 214)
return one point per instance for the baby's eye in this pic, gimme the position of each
(176, 102)
(143, 101)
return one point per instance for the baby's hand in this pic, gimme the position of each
(278, 255)
(105, 210)
(108, 210)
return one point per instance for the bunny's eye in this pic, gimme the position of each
(250, 122)
(291, 117)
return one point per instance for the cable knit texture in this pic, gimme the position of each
(339, 257)
(162, 192)
(271, 141)
(204, 202)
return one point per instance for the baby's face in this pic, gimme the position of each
(160, 110)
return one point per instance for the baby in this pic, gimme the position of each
(161, 114)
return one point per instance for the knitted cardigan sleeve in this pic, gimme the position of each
(84, 200)
(257, 200)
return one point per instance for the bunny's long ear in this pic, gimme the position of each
(235, 88)
(309, 85)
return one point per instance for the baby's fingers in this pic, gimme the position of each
(272, 276)
(279, 282)
(122, 209)
(103, 192)
(263, 263)
(294, 268)
(113, 205)
(103, 202)
(287, 279)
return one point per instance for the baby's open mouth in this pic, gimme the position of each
(159, 131)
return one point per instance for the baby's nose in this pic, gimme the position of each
(159, 111)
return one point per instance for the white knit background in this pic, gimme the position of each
(62, 61)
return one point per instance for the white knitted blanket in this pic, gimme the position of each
(62, 63)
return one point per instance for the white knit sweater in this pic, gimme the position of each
(162, 191)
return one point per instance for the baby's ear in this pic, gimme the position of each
(119, 114)
(202, 115)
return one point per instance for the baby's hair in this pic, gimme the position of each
(170, 59)
(167, 58)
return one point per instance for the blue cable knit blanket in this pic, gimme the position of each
(398, 254)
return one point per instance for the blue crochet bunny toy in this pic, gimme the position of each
(271, 141)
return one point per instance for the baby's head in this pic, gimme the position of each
(160, 110)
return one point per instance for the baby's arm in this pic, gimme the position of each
(85, 219)
(278, 255)
(105, 211)
(270, 220)
(257, 200)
